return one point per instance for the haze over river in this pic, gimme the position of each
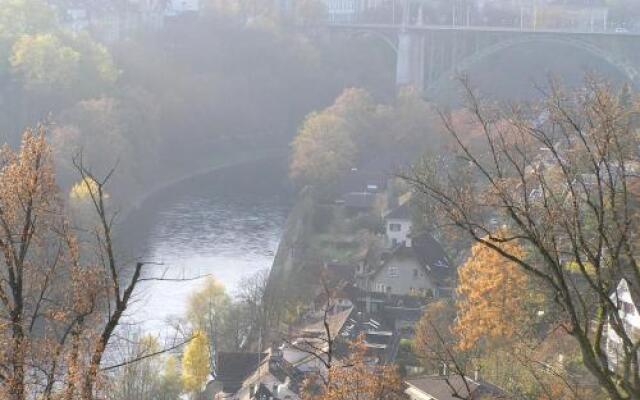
(227, 223)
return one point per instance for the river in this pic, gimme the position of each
(226, 224)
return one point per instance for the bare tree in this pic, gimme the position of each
(561, 177)
(61, 298)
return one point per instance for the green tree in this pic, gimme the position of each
(322, 151)
(195, 363)
(20, 18)
(42, 60)
(47, 62)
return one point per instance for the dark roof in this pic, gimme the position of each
(429, 250)
(340, 272)
(445, 387)
(358, 180)
(401, 212)
(379, 335)
(236, 367)
(430, 254)
(359, 200)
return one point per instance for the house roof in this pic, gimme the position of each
(236, 367)
(446, 387)
(358, 180)
(359, 200)
(335, 322)
(401, 212)
(429, 253)
(340, 272)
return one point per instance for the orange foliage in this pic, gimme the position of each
(356, 378)
(490, 290)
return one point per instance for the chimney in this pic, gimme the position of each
(476, 375)
(252, 391)
(274, 390)
(445, 369)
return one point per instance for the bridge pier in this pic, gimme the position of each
(410, 60)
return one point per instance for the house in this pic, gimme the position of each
(380, 338)
(358, 202)
(398, 226)
(362, 181)
(451, 387)
(627, 299)
(234, 368)
(416, 267)
(253, 376)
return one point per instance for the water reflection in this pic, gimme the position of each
(227, 224)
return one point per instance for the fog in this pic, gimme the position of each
(319, 199)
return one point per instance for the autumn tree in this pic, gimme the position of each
(62, 298)
(195, 363)
(208, 312)
(491, 298)
(322, 151)
(559, 174)
(357, 377)
(435, 343)
(170, 386)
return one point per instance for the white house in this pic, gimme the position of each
(628, 302)
(398, 226)
(419, 269)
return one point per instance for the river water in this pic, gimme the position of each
(226, 224)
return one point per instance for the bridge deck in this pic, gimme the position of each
(472, 28)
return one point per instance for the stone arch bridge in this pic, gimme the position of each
(428, 56)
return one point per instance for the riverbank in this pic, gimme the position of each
(213, 165)
(226, 224)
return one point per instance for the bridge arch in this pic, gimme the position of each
(626, 68)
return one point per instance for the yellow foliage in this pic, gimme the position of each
(573, 266)
(208, 306)
(195, 362)
(491, 292)
(83, 189)
(322, 150)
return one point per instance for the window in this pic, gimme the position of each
(388, 289)
(395, 227)
(394, 242)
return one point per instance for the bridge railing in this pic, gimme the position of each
(413, 13)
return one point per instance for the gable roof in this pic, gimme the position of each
(236, 367)
(359, 200)
(446, 387)
(335, 321)
(429, 254)
(401, 212)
